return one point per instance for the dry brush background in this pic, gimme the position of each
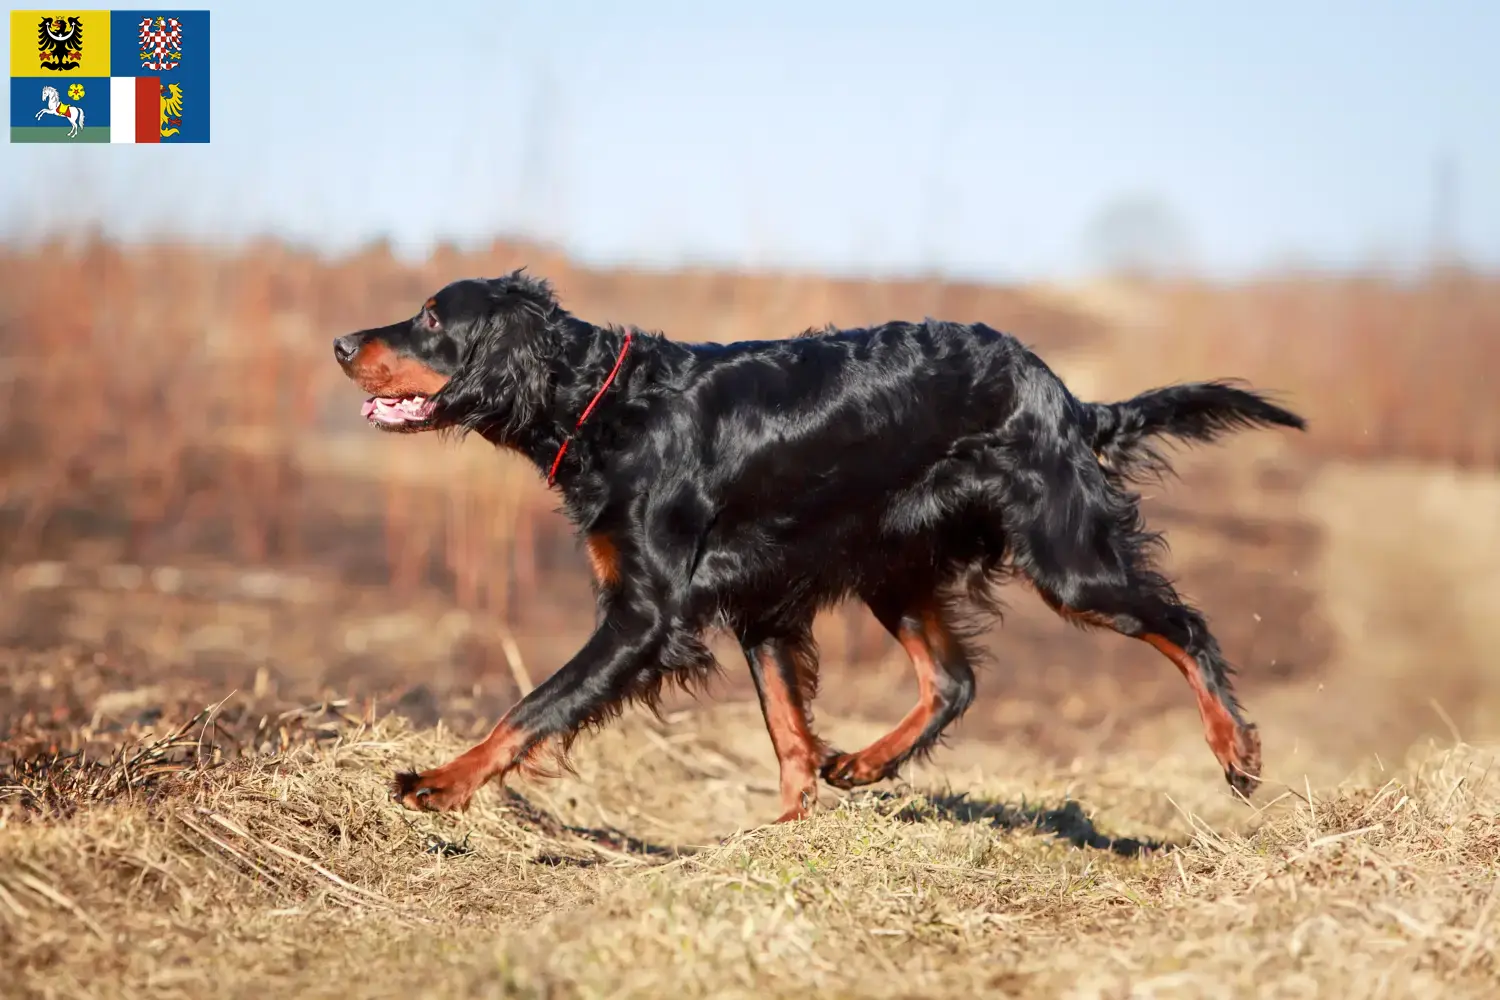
(228, 610)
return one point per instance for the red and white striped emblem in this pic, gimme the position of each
(161, 42)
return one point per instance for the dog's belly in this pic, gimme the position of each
(791, 564)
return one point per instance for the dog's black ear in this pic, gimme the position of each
(504, 381)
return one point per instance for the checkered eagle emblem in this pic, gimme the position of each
(161, 42)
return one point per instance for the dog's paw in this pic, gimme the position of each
(1242, 769)
(442, 789)
(851, 770)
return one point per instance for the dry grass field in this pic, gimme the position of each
(229, 611)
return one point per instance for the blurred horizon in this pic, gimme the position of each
(997, 143)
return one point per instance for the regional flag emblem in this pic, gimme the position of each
(112, 76)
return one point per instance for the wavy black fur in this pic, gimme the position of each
(746, 486)
(1199, 412)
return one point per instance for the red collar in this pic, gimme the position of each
(552, 473)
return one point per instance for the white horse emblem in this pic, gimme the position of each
(72, 112)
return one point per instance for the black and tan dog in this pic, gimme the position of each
(912, 466)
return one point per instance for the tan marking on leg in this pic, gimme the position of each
(925, 643)
(452, 786)
(1236, 747)
(797, 750)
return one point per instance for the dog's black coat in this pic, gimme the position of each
(749, 485)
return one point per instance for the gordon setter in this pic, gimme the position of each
(747, 486)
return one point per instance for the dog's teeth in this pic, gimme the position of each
(397, 409)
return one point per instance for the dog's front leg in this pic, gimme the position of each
(596, 679)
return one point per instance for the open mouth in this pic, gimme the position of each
(399, 412)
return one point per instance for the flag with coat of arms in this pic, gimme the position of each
(109, 76)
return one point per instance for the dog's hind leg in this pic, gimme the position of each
(1079, 539)
(945, 681)
(785, 675)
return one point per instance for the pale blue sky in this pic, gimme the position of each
(979, 139)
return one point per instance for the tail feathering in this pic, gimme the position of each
(1195, 412)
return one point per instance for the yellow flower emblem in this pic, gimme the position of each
(75, 91)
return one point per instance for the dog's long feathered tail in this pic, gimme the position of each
(1196, 412)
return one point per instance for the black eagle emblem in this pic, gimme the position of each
(59, 42)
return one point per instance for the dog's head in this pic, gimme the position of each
(473, 357)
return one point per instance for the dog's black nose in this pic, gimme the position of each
(344, 349)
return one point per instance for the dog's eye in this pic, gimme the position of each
(429, 319)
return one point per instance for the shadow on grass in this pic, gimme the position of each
(1068, 823)
(608, 838)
